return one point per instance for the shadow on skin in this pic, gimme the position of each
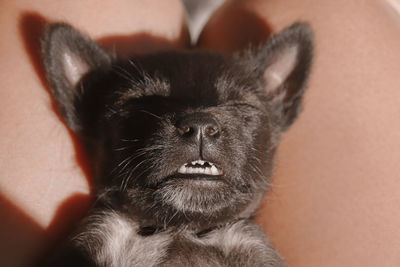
(228, 34)
(23, 240)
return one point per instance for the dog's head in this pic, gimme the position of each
(183, 136)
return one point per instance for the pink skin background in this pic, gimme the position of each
(335, 195)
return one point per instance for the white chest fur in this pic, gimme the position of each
(113, 240)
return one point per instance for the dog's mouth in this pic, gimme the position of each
(198, 172)
(202, 167)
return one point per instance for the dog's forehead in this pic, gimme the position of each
(200, 77)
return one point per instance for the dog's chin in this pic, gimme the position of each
(195, 193)
(199, 198)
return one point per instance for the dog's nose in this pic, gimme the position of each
(198, 126)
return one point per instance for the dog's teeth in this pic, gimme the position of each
(182, 169)
(200, 162)
(205, 167)
(214, 170)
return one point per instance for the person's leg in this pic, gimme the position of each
(43, 186)
(335, 199)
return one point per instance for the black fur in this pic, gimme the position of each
(142, 119)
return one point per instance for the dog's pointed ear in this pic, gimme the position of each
(68, 55)
(284, 64)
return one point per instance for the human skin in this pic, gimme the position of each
(334, 201)
(44, 180)
(335, 196)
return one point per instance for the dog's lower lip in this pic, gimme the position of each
(199, 177)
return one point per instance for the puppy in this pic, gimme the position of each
(182, 146)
